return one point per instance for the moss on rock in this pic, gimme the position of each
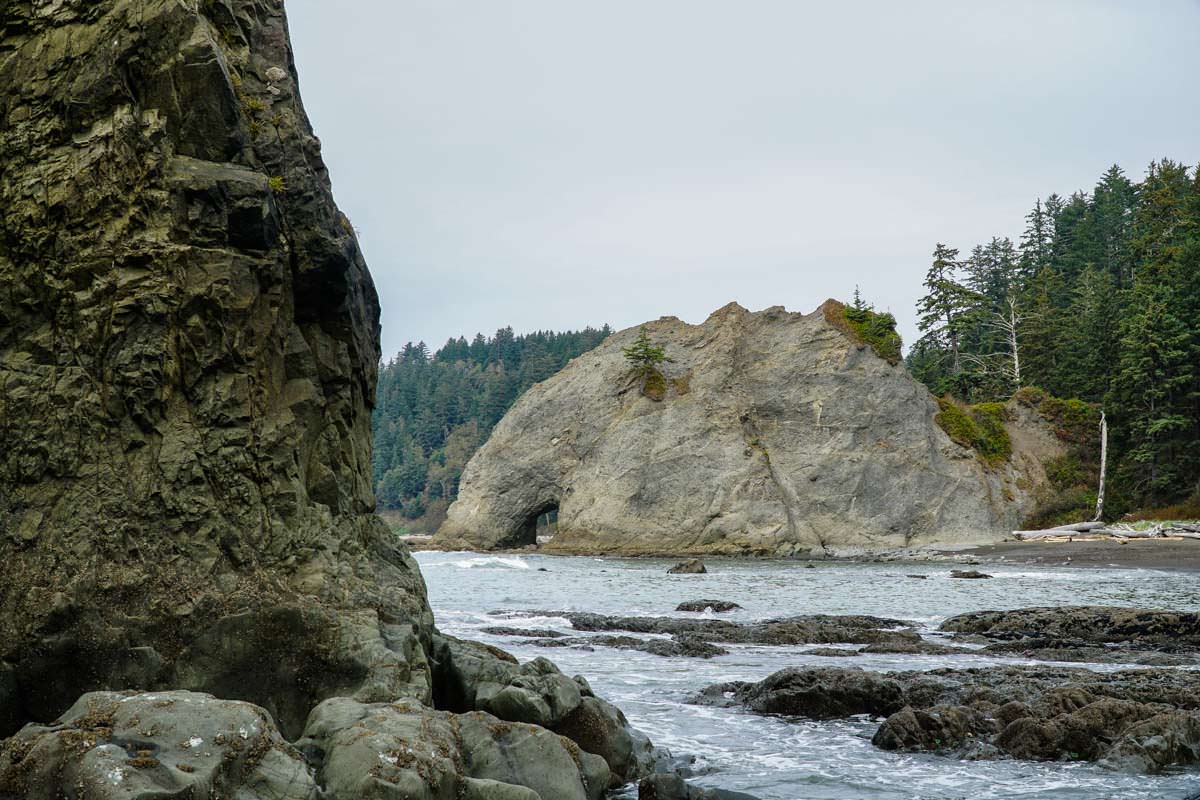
(980, 428)
(655, 386)
(867, 327)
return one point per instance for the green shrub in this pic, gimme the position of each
(1063, 508)
(655, 386)
(1074, 421)
(980, 428)
(877, 330)
(1030, 396)
(1066, 472)
(867, 327)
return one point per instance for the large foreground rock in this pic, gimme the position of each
(1133, 720)
(405, 751)
(771, 433)
(129, 746)
(188, 353)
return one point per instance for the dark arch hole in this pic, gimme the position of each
(541, 522)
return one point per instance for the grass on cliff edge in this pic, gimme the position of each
(979, 427)
(867, 327)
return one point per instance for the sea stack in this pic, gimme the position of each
(769, 433)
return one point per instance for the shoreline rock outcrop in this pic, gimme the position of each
(189, 338)
(772, 433)
(1136, 720)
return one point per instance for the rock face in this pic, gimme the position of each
(775, 433)
(188, 351)
(188, 354)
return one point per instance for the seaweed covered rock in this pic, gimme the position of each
(1157, 629)
(774, 433)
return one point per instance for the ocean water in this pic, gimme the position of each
(776, 759)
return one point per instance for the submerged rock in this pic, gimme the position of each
(1137, 720)
(673, 787)
(774, 433)
(693, 566)
(968, 573)
(718, 606)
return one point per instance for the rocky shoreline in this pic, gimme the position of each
(1175, 555)
(1137, 720)
(1141, 721)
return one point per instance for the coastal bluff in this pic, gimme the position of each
(771, 433)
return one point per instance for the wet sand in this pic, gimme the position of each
(1181, 555)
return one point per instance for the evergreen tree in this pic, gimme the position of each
(941, 318)
(643, 357)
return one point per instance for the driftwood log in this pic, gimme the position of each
(1177, 530)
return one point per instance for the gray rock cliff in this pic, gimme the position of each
(778, 433)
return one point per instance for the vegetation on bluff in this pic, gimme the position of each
(1099, 301)
(980, 427)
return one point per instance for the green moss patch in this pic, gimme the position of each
(980, 428)
(655, 385)
(866, 327)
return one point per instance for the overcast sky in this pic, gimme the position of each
(550, 164)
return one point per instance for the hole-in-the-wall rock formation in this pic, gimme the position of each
(188, 353)
(769, 433)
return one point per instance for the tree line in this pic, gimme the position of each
(433, 411)
(1099, 299)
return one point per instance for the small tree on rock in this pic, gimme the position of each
(643, 357)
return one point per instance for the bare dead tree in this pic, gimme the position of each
(1103, 464)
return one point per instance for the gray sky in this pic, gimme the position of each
(559, 163)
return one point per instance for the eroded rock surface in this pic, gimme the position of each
(130, 746)
(774, 433)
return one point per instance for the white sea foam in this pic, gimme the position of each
(507, 562)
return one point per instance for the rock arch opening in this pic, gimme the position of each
(540, 523)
